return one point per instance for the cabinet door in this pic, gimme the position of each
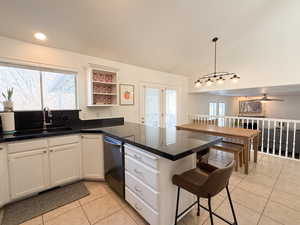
(28, 172)
(64, 164)
(4, 192)
(93, 160)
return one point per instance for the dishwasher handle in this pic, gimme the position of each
(112, 141)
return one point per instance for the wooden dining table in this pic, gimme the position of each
(245, 135)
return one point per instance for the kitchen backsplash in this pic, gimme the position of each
(34, 119)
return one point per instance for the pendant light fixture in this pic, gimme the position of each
(216, 77)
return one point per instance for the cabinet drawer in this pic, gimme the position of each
(63, 140)
(144, 173)
(22, 146)
(144, 210)
(147, 194)
(141, 156)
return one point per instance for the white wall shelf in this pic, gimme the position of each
(103, 88)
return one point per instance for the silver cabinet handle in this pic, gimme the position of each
(137, 171)
(138, 157)
(136, 188)
(137, 207)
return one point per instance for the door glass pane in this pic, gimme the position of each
(221, 121)
(221, 109)
(59, 90)
(152, 107)
(171, 108)
(26, 85)
(212, 108)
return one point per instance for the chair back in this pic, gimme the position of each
(218, 180)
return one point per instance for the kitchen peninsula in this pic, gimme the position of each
(150, 156)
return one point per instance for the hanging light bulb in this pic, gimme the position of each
(209, 82)
(198, 83)
(235, 78)
(220, 80)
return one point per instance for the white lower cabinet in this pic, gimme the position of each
(28, 172)
(92, 156)
(37, 165)
(64, 164)
(4, 191)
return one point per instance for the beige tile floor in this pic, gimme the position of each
(269, 195)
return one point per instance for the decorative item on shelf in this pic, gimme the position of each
(8, 116)
(109, 89)
(126, 94)
(102, 77)
(218, 77)
(108, 78)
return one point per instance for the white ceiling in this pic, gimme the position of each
(288, 90)
(169, 35)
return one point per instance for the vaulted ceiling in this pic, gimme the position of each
(167, 35)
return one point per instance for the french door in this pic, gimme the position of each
(158, 106)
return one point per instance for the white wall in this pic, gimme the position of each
(267, 54)
(22, 52)
(200, 103)
(288, 109)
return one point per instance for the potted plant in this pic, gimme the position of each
(7, 117)
(8, 104)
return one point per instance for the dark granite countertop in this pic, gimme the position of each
(73, 128)
(166, 142)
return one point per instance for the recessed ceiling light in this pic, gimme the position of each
(40, 36)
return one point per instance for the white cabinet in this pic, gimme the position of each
(92, 156)
(4, 191)
(64, 163)
(28, 172)
(149, 188)
(37, 165)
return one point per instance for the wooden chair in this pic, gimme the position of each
(236, 149)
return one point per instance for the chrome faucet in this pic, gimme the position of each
(47, 118)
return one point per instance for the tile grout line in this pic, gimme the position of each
(131, 217)
(269, 197)
(84, 213)
(107, 216)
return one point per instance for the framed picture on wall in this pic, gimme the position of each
(126, 94)
(250, 107)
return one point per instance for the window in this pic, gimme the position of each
(36, 88)
(217, 109)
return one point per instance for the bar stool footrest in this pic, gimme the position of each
(225, 220)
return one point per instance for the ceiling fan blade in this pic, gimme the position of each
(254, 100)
(276, 99)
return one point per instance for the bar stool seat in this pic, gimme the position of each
(205, 181)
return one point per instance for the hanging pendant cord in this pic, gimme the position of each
(215, 57)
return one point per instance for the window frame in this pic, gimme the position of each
(41, 70)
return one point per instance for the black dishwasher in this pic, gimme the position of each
(114, 165)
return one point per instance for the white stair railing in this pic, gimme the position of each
(279, 137)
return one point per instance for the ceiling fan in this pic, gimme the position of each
(265, 98)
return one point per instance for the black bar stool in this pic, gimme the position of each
(206, 181)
